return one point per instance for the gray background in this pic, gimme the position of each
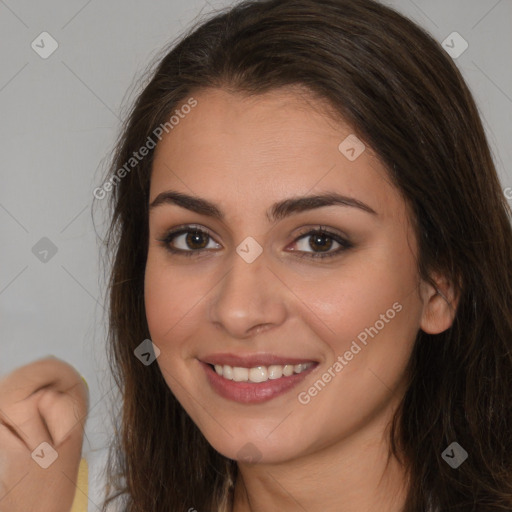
(59, 120)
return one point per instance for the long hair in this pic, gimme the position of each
(404, 97)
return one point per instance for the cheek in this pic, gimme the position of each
(369, 347)
(368, 314)
(361, 293)
(169, 298)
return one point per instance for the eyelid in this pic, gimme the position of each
(320, 227)
(303, 231)
(185, 228)
(340, 238)
(171, 234)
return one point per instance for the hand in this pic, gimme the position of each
(46, 401)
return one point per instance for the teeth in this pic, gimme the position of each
(288, 370)
(227, 372)
(240, 374)
(259, 373)
(275, 371)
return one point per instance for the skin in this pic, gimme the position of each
(244, 154)
(45, 401)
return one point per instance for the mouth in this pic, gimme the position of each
(254, 379)
(260, 373)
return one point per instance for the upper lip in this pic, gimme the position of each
(252, 360)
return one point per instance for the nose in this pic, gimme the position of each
(249, 299)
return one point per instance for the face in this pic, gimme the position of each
(329, 285)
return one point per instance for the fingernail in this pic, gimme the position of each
(83, 378)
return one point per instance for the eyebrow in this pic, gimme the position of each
(276, 212)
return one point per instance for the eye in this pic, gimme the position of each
(321, 239)
(193, 237)
(194, 240)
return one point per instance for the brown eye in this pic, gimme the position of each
(193, 240)
(321, 241)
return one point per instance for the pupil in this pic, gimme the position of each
(193, 237)
(316, 239)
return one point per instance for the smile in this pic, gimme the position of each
(255, 384)
(259, 373)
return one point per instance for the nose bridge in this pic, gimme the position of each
(247, 296)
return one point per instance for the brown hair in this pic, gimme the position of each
(405, 98)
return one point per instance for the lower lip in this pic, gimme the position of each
(252, 392)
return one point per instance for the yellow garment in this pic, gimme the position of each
(82, 491)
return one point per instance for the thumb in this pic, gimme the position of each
(65, 414)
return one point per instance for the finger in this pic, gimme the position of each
(28, 379)
(25, 423)
(47, 400)
(64, 413)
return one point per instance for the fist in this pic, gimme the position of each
(43, 409)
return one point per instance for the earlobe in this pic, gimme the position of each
(439, 306)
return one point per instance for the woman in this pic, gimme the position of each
(368, 369)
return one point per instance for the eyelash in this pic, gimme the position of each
(321, 230)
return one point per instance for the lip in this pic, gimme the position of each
(252, 360)
(252, 392)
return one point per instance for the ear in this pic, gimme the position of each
(439, 305)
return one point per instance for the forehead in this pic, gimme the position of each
(274, 145)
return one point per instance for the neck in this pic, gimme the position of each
(353, 475)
